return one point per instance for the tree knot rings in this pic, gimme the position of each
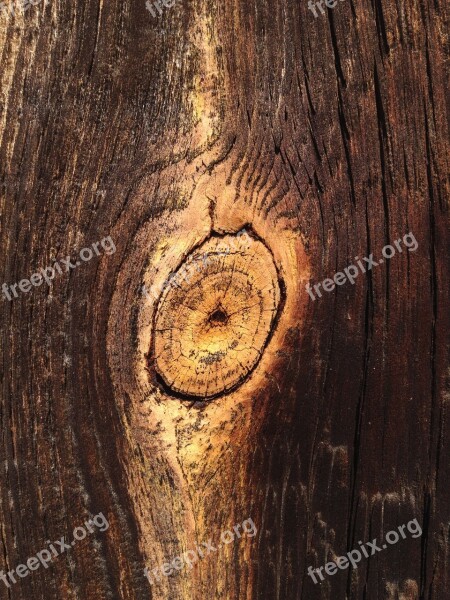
(215, 316)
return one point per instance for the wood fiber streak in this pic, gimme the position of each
(329, 137)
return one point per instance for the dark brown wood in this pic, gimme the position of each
(327, 137)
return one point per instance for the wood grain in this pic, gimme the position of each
(215, 316)
(327, 136)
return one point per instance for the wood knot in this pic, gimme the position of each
(215, 316)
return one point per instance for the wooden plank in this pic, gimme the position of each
(133, 138)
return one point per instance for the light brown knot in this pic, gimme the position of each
(215, 316)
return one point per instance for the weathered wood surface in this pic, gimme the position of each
(329, 137)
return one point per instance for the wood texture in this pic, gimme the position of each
(329, 137)
(215, 316)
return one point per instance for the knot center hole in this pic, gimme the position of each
(218, 317)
